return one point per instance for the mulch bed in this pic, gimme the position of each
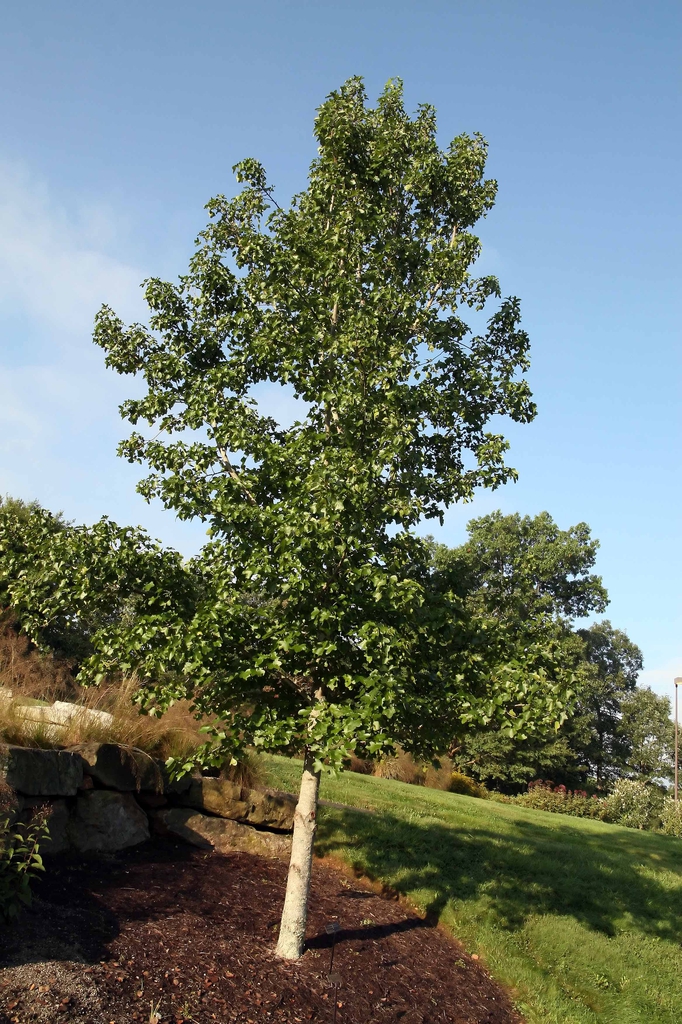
(167, 934)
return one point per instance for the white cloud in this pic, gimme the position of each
(58, 403)
(54, 267)
(661, 679)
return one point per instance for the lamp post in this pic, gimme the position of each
(678, 680)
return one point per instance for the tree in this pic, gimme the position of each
(647, 734)
(533, 579)
(77, 589)
(317, 629)
(525, 570)
(509, 763)
(536, 581)
(614, 662)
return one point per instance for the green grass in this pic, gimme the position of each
(581, 920)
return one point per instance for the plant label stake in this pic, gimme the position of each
(331, 929)
(334, 979)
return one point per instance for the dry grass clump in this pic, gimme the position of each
(27, 670)
(250, 772)
(360, 765)
(403, 767)
(41, 679)
(174, 734)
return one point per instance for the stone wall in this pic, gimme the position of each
(104, 797)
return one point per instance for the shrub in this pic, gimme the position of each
(467, 787)
(633, 804)
(544, 796)
(671, 818)
(403, 767)
(20, 858)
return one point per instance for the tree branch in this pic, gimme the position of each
(222, 454)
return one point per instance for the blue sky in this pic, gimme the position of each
(120, 120)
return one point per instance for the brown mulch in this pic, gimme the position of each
(165, 934)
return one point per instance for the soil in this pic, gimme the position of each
(165, 934)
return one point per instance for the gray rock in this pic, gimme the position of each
(264, 807)
(63, 712)
(126, 769)
(41, 772)
(107, 822)
(223, 835)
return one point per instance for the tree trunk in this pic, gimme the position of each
(295, 912)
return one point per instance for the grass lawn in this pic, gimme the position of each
(581, 920)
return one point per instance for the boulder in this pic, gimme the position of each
(223, 835)
(107, 822)
(38, 772)
(126, 769)
(152, 801)
(265, 807)
(176, 786)
(63, 713)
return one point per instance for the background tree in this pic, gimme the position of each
(318, 628)
(536, 580)
(614, 664)
(526, 571)
(75, 589)
(648, 735)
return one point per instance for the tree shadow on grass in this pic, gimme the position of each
(598, 878)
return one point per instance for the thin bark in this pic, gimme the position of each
(295, 913)
(222, 454)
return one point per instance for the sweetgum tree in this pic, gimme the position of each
(316, 626)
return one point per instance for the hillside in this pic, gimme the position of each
(582, 920)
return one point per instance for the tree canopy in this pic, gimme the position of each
(314, 618)
(525, 570)
(317, 625)
(86, 591)
(536, 580)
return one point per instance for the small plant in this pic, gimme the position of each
(20, 859)
(671, 818)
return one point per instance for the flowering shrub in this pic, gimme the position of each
(544, 796)
(633, 803)
(671, 818)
